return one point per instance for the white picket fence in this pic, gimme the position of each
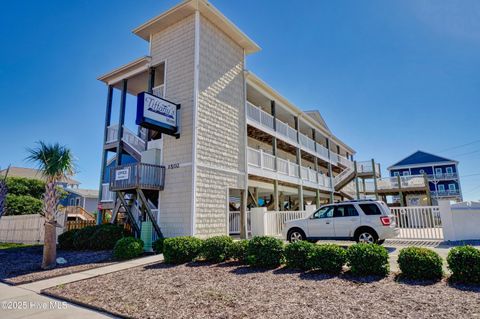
(418, 222)
(26, 229)
(234, 222)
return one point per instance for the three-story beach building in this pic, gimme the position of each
(236, 144)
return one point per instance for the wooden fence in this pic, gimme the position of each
(27, 229)
(79, 224)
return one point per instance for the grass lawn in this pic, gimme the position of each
(229, 290)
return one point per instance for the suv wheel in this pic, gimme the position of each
(366, 236)
(295, 235)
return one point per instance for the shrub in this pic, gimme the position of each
(157, 245)
(265, 252)
(22, 186)
(106, 236)
(22, 205)
(238, 250)
(216, 249)
(368, 259)
(464, 262)
(65, 240)
(82, 239)
(420, 263)
(328, 258)
(128, 248)
(179, 250)
(297, 254)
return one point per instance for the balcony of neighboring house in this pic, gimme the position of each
(442, 176)
(446, 193)
(396, 183)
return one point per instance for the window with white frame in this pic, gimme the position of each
(405, 173)
(422, 171)
(452, 187)
(72, 201)
(441, 188)
(77, 201)
(449, 170)
(438, 171)
(396, 173)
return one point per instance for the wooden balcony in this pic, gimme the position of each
(137, 176)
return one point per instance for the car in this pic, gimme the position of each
(364, 221)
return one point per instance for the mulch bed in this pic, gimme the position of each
(22, 265)
(200, 290)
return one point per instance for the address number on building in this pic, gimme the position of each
(122, 174)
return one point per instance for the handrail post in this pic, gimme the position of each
(374, 179)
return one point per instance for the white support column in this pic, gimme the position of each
(258, 221)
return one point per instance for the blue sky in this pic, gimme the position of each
(389, 77)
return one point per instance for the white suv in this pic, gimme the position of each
(360, 220)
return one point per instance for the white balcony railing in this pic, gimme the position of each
(443, 176)
(447, 192)
(107, 195)
(128, 137)
(265, 120)
(260, 159)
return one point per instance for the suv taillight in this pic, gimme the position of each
(385, 220)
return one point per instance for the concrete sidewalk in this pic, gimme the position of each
(25, 300)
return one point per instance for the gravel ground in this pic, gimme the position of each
(200, 290)
(22, 265)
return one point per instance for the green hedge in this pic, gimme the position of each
(157, 245)
(297, 254)
(179, 250)
(464, 262)
(82, 239)
(128, 248)
(66, 239)
(106, 236)
(22, 205)
(238, 250)
(216, 249)
(327, 258)
(265, 252)
(420, 263)
(368, 260)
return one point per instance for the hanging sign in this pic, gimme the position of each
(156, 113)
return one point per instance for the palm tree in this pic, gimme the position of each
(55, 163)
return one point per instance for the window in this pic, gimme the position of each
(370, 209)
(449, 170)
(324, 212)
(77, 201)
(452, 187)
(345, 211)
(405, 173)
(441, 188)
(422, 171)
(438, 171)
(396, 173)
(72, 201)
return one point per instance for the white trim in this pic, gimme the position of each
(196, 78)
(430, 164)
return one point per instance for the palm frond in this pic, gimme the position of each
(55, 161)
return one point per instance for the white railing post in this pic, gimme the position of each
(447, 220)
(258, 216)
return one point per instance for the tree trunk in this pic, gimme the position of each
(50, 245)
(50, 202)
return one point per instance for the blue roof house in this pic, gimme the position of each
(442, 174)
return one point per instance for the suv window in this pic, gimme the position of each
(324, 212)
(371, 209)
(345, 211)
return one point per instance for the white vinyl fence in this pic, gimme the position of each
(270, 223)
(234, 222)
(418, 222)
(26, 229)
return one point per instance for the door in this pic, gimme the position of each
(345, 220)
(321, 223)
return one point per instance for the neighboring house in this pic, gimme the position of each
(84, 198)
(36, 174)
(441, 172)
